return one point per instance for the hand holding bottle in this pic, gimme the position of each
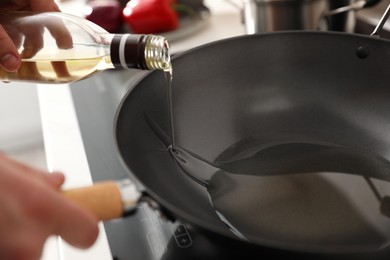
(62, 48)
(28, 36)
(9, 56)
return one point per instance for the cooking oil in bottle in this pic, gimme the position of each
(49, 71)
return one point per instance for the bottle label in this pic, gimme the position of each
(127, 51)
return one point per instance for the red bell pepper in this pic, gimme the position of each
(150, 16)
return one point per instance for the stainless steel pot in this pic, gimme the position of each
(276, 15)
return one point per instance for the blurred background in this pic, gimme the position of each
(20, 128)
(20, 131)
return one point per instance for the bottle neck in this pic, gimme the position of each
(140, 51)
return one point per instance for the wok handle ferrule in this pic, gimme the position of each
(106, 200)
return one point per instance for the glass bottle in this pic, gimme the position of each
(61, 48)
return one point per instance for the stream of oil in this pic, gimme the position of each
(169, 77)
(297, 193)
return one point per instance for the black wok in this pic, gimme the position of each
(316, 88)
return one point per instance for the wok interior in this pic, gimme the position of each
(273, 87)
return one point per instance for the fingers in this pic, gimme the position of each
(44, 6)
(61, 69)
(37, 198)
(60, 33)
(55, 179)
(76, 226)
(9, 57)
(33, 34)
(30, 5)
(33, 39)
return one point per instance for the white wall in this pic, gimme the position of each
(20, 125)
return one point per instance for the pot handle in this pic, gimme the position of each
(370, 3)
(382, 22)
(355, 6)
(107, 200)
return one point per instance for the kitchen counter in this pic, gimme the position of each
(61, 133)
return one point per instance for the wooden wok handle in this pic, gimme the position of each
(106, 200)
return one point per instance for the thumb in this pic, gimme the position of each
(9, 56)
(55, 179)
